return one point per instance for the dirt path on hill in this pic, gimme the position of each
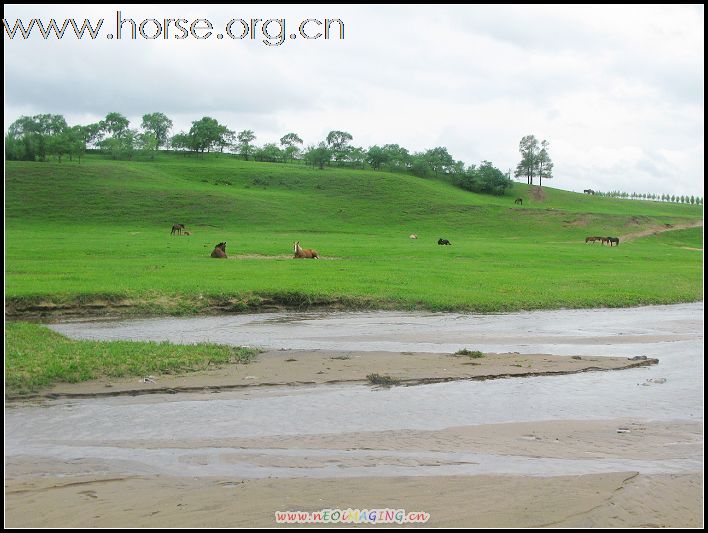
(659, 229)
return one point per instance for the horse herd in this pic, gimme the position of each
(603, 240)
(299, 252)
(219, 252)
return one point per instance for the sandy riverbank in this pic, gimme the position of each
(66, 495)
(310, 472)
(303, 367)
(622, 499)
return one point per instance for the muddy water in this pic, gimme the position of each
(139, 435)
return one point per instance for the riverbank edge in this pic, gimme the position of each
(324, 367)
(52, 309)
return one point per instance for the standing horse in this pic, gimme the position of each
(306, 253)
(219, 251)
(177, 228)
(519, 201)
(593, 239)
(614, 240)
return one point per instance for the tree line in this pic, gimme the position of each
(679, 199)
(38, 137)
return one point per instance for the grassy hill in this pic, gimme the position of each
(98, 234)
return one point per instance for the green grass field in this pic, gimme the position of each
(99, 231)
(37, 357)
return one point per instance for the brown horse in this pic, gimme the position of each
(177, 228)
(306, 253)
(604, 240)
(593, 239)
(219, 251)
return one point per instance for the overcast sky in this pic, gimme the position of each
(616, 90)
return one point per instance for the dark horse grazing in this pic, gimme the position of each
(519, 201)
(444, 241)
(304, 253)
(219, 251)
(588, 191)
(614, 240)
(177, 228)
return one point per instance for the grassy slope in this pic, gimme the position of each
(101, 229)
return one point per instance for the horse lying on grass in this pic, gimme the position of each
(444, 241)
(304, 253)
(219, 251)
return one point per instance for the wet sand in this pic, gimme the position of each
(594, 449)
(97, 493)
(621, 499)
(311, 367)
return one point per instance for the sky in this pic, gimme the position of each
(617, 91)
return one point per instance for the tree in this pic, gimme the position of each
(92, 133)
(338, 144)
(205, 134)
(269, 152)
(527, 166)
(147, 143)
(320, 155)
(289, 142)
(439, 160)
(115, 124)
(398, 157)
(180, 141)
(376, 156)
(77, 136)
(487, 179)
(544, 165)
(245, 138)
(30, 138)
(159, 125)
(419, 165)
(121, 145)
(357, 156)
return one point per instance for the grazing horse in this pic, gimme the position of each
(306, 253)
(519, 201)
(604, 240)
(414, 236)
(614, 240)
(444, 242)
(588, 191)
(177, 228)
(219, 251)
(593, 239)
